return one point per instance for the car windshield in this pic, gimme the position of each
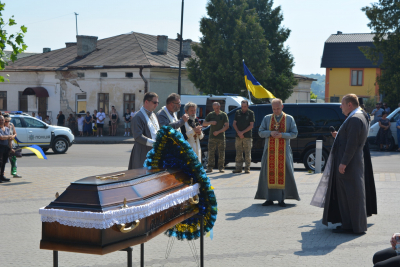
(396, 116)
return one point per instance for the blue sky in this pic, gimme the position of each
(52, 23)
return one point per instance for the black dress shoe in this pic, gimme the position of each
(342, 231)
(282, 204)
(268, 203)
(4, 179)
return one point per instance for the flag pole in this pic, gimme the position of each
(249, 96)
(248, 89)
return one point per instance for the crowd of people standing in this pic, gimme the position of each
(93, 125)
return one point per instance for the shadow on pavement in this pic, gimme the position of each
(11, 183)
(320, 232)
(33, 154)
(256, 210)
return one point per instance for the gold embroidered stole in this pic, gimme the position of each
(277, 155)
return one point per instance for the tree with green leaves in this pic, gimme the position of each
(312, 95)
(384, 19)
(281, 78)
(230, 34)
(234, 31)
(15, 41)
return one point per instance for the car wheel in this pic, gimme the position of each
(45, 149)
(204, 159)
(60, 145)
(309, 159)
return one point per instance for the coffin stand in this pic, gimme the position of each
(114, 211)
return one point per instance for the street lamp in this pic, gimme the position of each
(180, 56)
(76, 22)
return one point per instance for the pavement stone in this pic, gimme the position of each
(245, 234)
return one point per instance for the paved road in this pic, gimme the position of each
(118, 155)
(246, 233)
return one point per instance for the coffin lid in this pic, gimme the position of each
(137, 186)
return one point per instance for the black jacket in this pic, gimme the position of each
(192, 124)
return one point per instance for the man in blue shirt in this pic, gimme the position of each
(377, 113)
(386, 108)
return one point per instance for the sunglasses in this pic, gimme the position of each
(155, 103)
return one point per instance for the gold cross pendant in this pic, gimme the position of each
(276, 126)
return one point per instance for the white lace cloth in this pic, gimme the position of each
(104, 220)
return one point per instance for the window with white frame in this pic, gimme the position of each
(356, 77)
(81, 104)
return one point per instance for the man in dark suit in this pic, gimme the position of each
(345, 199)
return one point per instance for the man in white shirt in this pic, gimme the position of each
(144, 128)
(39, 116)
(101, 116)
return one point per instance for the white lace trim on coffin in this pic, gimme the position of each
(104, 220)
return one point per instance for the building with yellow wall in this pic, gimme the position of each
(347, 68)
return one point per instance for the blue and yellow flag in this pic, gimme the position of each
(255, 87)
(37, 150)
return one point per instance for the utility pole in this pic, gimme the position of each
(180, 56)
(76, 22)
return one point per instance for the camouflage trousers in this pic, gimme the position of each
(243, 146)
(213, 144)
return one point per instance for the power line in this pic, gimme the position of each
(48, 19)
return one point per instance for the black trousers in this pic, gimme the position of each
(4, 153)
(387, 257)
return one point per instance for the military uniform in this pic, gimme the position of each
(218, 141)
(243, 145)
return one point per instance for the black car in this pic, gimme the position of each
(312, 120)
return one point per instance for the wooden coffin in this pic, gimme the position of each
(87, 216)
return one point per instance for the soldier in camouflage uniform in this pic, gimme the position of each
(219, 124)
(243, 125)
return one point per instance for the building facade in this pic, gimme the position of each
(347, 68)
(91, 74)
(302, 91)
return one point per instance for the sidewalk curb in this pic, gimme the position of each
(103, 140)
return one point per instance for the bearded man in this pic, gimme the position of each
(167, 114)
(276, 182)
(144, 128)
(191, 130)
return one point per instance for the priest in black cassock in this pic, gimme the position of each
(342, 188)
(370, 190)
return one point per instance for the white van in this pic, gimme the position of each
(373, 131)
(204, 103)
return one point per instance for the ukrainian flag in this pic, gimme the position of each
(255, 87)
(37, 150)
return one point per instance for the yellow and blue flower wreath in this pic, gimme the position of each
(172, 151)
